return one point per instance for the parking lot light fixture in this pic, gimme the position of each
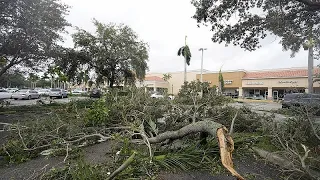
(201, 76)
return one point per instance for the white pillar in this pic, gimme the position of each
(240, 92)
(270, 93)
(306, 90)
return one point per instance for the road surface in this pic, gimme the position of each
(34, 101)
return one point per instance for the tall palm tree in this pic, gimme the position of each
(185, 52)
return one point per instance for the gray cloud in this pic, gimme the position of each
(163, 25)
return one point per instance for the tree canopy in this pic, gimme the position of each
(294, 21)
(29, 31)
(116, 52)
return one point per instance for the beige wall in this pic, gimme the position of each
(153, 84)
(277, 83)
(234, 78)
(176, 81)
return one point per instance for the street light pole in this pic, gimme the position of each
(201, 76)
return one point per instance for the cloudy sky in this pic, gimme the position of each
(163, 24)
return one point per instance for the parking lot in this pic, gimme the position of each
(259, 106)
(34, 101)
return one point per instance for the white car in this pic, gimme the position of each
(58, 93)
(157, 95)
(4, 94)
(26, 94)
(78, 92)
(12, 90)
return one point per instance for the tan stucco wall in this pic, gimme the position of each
(276, 83)
(176, 81)
(235, 77)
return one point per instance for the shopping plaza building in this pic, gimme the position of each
(267, 84)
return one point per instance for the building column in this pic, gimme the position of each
(154, 88)
(240, 92)
(270, 93)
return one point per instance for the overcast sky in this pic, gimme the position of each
(163, 24)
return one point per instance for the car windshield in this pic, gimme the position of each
(23, 91)
(55, 90)
(2, 90)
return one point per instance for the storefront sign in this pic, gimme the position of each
(254, 83)
(228, 81)
(288, 82)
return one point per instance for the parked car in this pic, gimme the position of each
(12, 90)
(301, 99)
(58, 93)
(156, 95)
(95, 93)
(25, 94)
(44, 92)
(78, 92)
(171, 96)
(4, 94)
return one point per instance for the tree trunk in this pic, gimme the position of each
(213, 128)
(112, 79)
(310, 70)
(185, 69)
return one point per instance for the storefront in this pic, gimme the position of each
(154, 83)
(232, 80)
(275, 84)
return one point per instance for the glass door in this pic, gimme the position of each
(275, 95)
(266, 95)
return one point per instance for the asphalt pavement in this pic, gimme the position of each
(34, 101)
(259, 106)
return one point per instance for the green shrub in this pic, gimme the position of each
(97, 114)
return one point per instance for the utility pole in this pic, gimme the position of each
(201, 76)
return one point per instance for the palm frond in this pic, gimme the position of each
(180, 51)
(190, 158)
(187, 54)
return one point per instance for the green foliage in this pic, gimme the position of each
(221, 81)
(13, 79)
(80, 171)
(191, 158)
(107, 60)
(167, 77)
(30, 31)
(293, 21)
(291, 135)
(191, 92)
(186, 53)
(14, 153)
(97, 114)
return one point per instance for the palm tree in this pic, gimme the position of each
(185, 52)
(167, 77)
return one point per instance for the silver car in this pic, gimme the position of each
(44, 92)
(26, 94)
(58, 93)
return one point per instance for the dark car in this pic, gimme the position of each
(95, 93)
(301, 99)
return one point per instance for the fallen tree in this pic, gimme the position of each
(215, 129)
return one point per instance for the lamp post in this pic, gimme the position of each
(202, 49)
